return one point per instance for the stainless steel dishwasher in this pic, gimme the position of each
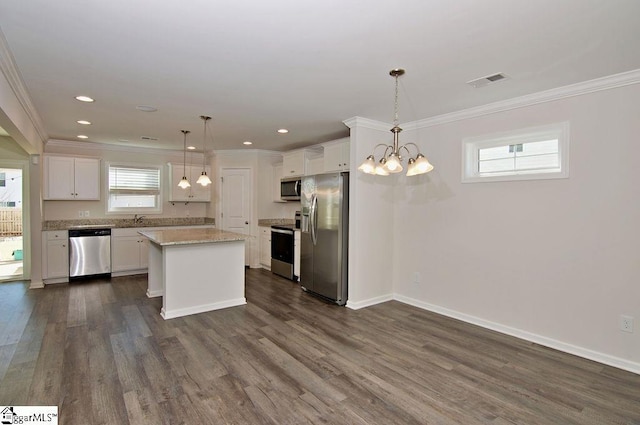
(89, 253)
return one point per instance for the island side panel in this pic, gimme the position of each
(202, 277)
(155, 274)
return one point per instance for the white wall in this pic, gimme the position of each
(557, 261)
(371, 225)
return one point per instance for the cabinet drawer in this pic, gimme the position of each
(57, 235)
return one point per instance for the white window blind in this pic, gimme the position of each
(134, 189)
(134, 180)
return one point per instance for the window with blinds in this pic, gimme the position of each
(533, 153)
(134, 189)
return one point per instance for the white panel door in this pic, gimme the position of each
(236, 202)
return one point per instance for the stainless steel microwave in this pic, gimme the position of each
(290, 188)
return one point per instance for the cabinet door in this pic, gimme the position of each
(199, 193)
(293, 164)
(177, 193)
(59, 178)
(125, 253)
(87, 178)
(195, 193)
(336, 157)
(265, 247)
(144, 252)
(57, 259)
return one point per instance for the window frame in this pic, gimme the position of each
(472, 145)
(134, 210)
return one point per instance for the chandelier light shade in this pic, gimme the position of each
(391, 161)
(204, 180)
(184, 182)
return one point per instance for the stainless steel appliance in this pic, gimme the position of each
(290, 189)
(297, 220)
(89, 252)
(282, 251)
(325, 235)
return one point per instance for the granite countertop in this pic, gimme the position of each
(117, 223)
(268, 222)
(191, 236)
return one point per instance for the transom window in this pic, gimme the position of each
(533, 153)
(134, 189)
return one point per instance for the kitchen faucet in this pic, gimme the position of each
(137, 219)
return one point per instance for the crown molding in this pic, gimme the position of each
(367, 123)
(14, 79)
(578, 89)
(92, 146)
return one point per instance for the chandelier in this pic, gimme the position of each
(391, 161)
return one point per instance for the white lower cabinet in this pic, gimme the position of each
(265, 247)
(55, 256)
(129, 251)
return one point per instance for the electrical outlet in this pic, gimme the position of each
(80, 214)
(86, 214)
(626, 323)
(416, 277)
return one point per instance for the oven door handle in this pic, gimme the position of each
(286, 232)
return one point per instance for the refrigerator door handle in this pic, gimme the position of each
(314, 218)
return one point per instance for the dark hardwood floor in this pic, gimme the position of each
(102, 353)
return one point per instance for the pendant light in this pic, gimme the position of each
(184, 183)
(204, 180)
(391, 161)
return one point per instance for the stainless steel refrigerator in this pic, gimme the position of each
(325, 235)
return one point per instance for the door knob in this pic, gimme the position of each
(246, 222)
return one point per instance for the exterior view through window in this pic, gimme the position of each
(527, 154)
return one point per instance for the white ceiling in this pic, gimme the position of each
(257, 65)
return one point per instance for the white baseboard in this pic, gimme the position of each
(201, 308)
(36, 284)
(371, 301)
(153, 294)
(527, 336)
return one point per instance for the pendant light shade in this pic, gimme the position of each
(204, 180)
(391, 161)
(184, 182)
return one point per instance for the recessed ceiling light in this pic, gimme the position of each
(82, 136)
(84, 99)
(247, 143)
(283, 131)
(146, 108)
(191, 148)
(84, 122)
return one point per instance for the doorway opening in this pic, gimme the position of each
(11, 226)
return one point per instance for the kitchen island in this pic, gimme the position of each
(195, 270)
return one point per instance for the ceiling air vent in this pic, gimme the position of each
(489, 79)
(149, 138)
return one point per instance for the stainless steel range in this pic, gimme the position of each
(283, 250)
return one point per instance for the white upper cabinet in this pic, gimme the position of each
(336, 155)
(195, 193)
(69, 178)
(293, 164)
